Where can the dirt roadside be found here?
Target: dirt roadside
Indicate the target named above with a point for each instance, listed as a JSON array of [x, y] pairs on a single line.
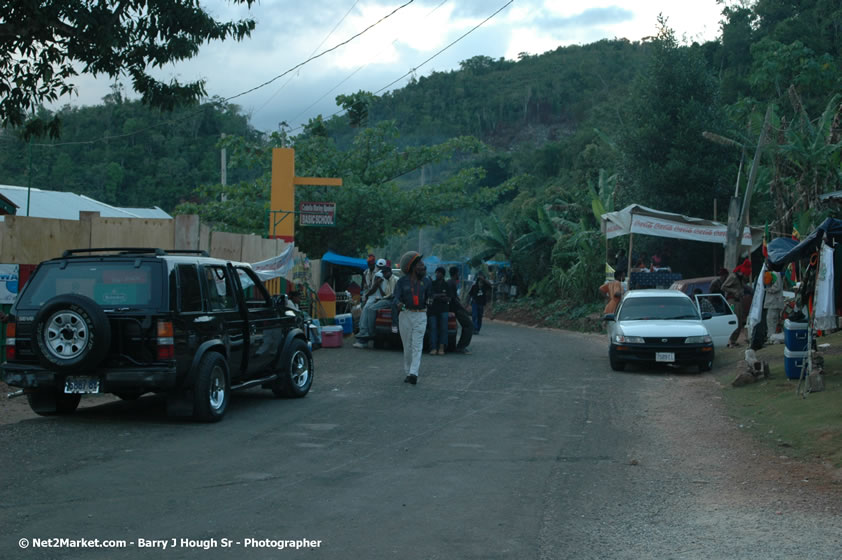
[[747, 471]]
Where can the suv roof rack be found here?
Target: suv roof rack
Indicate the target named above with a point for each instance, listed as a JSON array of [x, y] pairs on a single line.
[[134, 250]]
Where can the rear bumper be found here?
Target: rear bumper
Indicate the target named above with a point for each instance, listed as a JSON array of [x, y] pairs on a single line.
[[28, 376], [684, 354]]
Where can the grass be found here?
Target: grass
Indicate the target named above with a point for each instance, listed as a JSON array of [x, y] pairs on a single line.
[[776, 415]]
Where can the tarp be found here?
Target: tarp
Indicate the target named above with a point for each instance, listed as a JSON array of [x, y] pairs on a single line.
[[640, 219], [778, 259], [341, 260], [276, 267]]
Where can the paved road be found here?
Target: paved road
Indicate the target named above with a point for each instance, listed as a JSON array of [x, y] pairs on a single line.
[[529, 448]]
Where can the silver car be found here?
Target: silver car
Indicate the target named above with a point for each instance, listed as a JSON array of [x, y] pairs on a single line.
[[659, 326]]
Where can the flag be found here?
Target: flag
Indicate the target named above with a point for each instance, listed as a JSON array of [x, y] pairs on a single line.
[[795, 234], [765, 236]]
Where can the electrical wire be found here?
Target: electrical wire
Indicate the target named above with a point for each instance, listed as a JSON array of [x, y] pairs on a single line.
[[480, 24], [264, 84], [483, 22], [335, 27], [351, 75]]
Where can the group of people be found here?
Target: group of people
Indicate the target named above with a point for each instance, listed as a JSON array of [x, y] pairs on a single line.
[[419, 303], [734, 285]]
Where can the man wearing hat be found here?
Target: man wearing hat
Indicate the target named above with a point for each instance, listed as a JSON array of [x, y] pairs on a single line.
[[773, 301], [409, 311], [378, 296], [734, 287], [716, 285], [368, 277]]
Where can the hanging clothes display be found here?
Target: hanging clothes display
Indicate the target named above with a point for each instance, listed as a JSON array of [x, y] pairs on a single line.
[[824, 308], [755, 313]]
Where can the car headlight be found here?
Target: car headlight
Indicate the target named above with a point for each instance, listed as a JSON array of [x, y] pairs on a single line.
[[706, 339], [622, 339]]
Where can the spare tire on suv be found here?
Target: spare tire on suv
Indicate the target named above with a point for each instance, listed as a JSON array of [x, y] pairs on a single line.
[[71, 332]]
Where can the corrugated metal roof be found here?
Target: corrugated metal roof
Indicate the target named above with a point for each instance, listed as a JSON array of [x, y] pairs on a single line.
[[66, 205]]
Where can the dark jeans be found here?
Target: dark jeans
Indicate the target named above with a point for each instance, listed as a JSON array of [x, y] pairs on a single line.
[[438, 330], [477, 310], [467, 324]]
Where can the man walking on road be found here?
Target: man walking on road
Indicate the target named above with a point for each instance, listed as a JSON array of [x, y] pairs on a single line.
[[409, 311], [463, 316]]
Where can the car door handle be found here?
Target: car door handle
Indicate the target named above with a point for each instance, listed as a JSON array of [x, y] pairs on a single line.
[[732, 322]]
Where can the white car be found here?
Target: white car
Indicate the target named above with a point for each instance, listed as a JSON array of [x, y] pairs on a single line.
[[660, 326]]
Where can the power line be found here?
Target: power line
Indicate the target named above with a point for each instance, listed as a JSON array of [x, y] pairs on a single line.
[[480, 24], [483, 22], [349, 76], [264, 84], [321, 54], [335, 27]]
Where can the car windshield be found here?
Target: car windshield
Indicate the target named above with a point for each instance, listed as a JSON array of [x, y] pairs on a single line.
[[110, 284], [657, 308]]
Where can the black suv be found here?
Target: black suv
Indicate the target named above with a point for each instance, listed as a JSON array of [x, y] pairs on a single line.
[[129, 321]]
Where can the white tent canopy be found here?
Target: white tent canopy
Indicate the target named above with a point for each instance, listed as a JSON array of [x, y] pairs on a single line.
[[640, 219]]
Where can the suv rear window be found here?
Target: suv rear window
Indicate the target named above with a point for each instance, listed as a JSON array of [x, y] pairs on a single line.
[[110, 284]]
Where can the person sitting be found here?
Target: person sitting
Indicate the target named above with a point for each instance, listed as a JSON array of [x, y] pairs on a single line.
[[378, 296], [613, 290]]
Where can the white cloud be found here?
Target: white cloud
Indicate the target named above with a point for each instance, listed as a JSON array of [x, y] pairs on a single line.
[[288, 31]]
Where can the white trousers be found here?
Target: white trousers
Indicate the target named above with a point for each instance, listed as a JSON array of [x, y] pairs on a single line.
[[412, 325]]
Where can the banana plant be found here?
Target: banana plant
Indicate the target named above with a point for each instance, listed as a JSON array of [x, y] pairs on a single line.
[[603, 195]]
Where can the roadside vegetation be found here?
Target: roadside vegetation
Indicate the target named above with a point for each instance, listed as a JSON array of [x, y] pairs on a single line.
[[507, 159], [806, 428]]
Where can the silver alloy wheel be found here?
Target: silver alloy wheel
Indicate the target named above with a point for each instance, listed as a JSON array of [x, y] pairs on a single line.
[[66, 334], [216, 392], [299, 369]]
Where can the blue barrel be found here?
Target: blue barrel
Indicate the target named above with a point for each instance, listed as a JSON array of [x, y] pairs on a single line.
[[795, 336]]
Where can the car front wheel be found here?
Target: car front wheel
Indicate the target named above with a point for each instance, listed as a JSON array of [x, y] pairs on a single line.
[[616, 365]]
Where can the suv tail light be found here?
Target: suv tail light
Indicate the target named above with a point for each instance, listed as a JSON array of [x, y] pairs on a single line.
[[11, 351], [166, 345]]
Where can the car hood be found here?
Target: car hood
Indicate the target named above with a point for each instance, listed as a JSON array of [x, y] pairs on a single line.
[[662, 328]]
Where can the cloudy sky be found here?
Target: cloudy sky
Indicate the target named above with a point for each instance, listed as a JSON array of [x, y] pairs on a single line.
[[291, 31]]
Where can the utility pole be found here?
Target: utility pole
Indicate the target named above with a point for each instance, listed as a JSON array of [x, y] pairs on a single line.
[[736, 217], [224, 171]]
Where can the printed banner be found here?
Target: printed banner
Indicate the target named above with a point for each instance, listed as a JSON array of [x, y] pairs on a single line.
[[8, 283], [665, 228]]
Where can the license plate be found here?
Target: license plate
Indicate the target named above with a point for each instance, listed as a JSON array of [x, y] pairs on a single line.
[[81, 385], [664, 356]]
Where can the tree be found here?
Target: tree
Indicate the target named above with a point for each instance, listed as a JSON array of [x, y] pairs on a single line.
[[667, 161], [42, 43], [379, 197]]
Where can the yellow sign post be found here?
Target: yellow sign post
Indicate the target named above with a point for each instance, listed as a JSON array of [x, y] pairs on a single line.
[[282, 201]]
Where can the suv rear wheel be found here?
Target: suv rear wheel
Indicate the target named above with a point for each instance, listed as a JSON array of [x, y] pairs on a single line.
[[296, 375], [71, 332], [211, 391]]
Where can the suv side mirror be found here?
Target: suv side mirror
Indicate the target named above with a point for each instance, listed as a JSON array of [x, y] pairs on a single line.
[[280, 302]]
